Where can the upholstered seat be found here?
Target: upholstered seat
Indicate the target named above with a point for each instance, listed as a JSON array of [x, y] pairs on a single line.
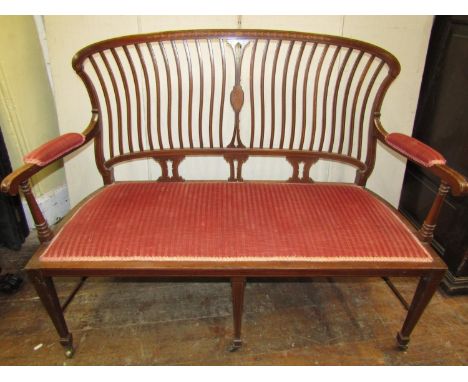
[[234, 222]]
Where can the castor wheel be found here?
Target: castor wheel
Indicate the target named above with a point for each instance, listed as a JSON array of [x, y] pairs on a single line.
[[402, 347], [236, 345], [402, 342], [67, 343], [69, 352]]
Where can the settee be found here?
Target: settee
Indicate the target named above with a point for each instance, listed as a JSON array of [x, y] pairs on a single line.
[[235, 94]]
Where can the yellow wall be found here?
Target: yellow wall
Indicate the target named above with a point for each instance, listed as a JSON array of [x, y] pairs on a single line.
[[27, 110], [405, 36]]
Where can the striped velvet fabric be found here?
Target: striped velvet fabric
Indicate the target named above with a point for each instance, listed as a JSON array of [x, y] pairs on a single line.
[[414, 149], [54, 149], [234, 222]]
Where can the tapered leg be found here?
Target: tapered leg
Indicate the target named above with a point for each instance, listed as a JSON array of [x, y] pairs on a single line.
[[46, 290], [426, 288], [237, 287]]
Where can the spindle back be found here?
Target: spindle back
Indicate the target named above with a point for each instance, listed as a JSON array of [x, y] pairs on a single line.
[[236, 93]]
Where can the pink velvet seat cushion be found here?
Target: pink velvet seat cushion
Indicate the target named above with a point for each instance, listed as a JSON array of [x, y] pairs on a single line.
[[54, 149], [234, 222], [415, 150]]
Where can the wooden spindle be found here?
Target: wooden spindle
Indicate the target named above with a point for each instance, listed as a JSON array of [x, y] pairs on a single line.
[[158, 94], [335, 98], [316, 87], [304, 95], [179, 93], [190, 101], [262, 93], [108, 105], [223, 92], [127, 98], [200, 110], [252, 100], [325, 97], [44, 233], [115, 88], [426, 232], [293, 109], [364, 106], [355, 100], [137, 96], [169, 94], [213, 83], [345, 101], [283, 93], [148, 96], [273, 77]]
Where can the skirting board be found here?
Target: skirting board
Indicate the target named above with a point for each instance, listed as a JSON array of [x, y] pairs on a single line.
[[454, 285], [54, 205]]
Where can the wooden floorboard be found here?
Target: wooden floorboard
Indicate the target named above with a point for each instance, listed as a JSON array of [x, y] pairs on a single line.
[[321, 321]]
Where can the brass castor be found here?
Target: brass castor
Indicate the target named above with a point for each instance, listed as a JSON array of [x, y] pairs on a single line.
[[402, 342], [69, 352], [236, 345], [67, 343]]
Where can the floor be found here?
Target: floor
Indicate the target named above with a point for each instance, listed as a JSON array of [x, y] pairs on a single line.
[[339, 321]]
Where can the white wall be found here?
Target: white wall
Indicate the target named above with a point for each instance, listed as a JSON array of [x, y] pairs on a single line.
[[406, 37]]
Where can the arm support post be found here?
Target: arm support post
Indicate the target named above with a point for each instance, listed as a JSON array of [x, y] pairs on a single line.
[[44, 233], [426, 233]]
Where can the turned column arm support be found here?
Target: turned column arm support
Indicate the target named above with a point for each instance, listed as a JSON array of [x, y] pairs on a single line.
[[426, 232], [44, 233]]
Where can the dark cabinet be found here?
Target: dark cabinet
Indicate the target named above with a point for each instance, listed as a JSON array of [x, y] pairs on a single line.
[[442, 122], [13, 226]]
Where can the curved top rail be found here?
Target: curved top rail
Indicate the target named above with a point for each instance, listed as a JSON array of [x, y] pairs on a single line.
[[390, 59]]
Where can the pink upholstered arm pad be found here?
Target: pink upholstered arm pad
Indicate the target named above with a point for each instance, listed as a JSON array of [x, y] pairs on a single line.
[[54, 149], [415, 150]]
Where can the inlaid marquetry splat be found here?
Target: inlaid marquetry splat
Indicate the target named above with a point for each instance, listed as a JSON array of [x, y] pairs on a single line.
[[237, 98], [170, 173], [301, 174], [237, 94]]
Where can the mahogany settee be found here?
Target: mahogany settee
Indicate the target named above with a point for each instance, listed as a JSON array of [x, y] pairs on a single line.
[[235, 94]]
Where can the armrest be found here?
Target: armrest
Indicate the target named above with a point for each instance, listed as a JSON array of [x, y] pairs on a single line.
[[56, 148], [48, 153], [415, 150], [423, 155]]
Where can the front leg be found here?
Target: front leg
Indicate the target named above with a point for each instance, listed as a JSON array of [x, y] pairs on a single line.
[[426, 288], [46, 290], [237, 287]]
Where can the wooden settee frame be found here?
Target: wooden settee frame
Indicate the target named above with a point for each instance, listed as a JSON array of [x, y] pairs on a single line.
[[235, 152]]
